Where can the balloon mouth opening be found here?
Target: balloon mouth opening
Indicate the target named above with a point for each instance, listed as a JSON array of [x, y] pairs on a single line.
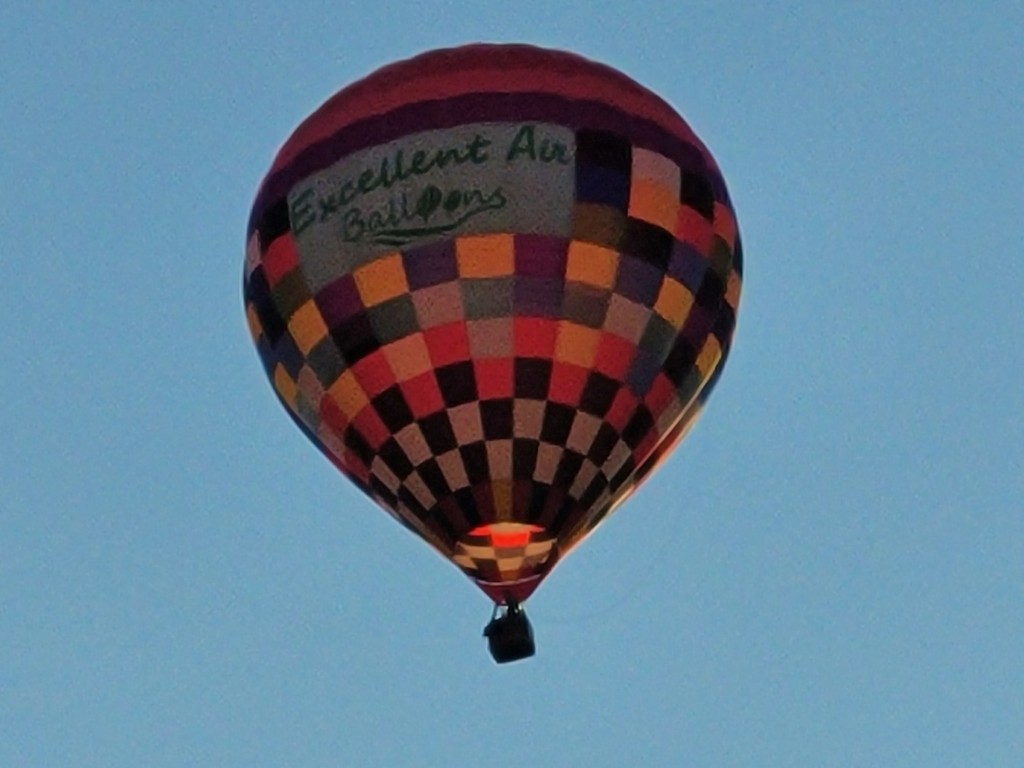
[[507, 534], [508, 592], [507, 560]]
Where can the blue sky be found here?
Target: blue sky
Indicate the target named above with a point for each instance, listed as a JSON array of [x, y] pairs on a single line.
[[829, 572]]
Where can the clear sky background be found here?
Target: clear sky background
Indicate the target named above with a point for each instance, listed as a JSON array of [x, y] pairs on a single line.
[[829, 572]]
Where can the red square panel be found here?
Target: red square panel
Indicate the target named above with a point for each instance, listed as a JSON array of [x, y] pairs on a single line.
[[614, 356], [280, 259], [567, 382], [351, 465], [423, 395], [332, 417], [646, 447], [370, 426], [374, 374], [447, 343], [534, 337], [623, 407], [494, 377], [660, 396], [693, 228]]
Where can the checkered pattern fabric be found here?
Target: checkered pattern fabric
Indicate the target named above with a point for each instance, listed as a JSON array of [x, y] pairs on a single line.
[[500, 393]]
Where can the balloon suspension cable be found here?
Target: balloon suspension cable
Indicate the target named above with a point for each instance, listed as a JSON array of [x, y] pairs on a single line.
[[509, 634]]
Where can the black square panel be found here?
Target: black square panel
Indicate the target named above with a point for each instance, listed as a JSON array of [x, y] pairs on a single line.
[[355, 338], [557, 423], [434, 478], [392, 454], [532, 377], [603, 149], [392, 408], [496, 417], [604, 443], [474, 459], [638, 427], [696, 192], [598, 394], [437, 431], [356, 443], [568, 468], [648, 242], [457, 383], [273, 223]]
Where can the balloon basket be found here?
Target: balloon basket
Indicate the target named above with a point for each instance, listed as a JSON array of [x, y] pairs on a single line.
[[509, 634]]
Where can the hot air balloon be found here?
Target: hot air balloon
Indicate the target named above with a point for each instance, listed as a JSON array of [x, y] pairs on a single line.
[[494, 285]]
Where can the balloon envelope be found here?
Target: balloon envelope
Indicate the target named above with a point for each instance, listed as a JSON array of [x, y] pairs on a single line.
[[494, 286]]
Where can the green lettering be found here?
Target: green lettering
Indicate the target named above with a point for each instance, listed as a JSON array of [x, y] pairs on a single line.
[[375, 220], [300, 212], [430, 199], [348, 192], [398, 171], [352, 226], [419, 163], [522, 144], [452, 201], [328, 206], [477, 147], [445, 157], [554, 152], [367, 182], [397, 167]]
